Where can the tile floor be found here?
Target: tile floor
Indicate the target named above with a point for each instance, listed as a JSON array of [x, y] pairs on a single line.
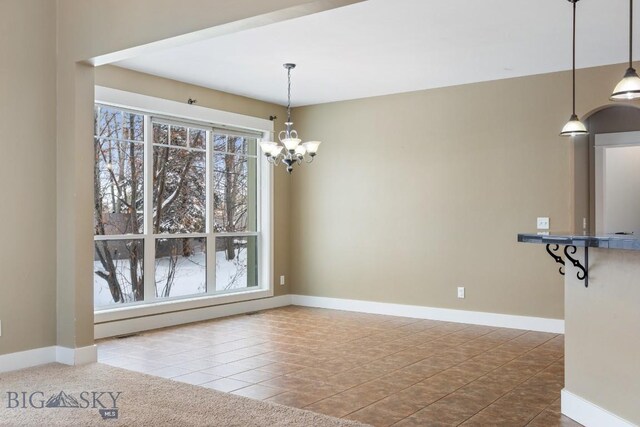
[[381, 370]]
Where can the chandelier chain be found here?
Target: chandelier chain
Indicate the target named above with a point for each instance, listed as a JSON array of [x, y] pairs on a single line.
[[289, 95]]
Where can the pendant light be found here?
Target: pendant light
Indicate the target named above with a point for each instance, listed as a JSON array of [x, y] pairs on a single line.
[[574, 126], [290, 150], [629, 86]]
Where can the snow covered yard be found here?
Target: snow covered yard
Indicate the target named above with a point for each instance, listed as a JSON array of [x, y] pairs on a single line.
[[189, 277]]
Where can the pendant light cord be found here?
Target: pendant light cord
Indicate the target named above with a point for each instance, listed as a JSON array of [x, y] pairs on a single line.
[[574, 56], [630, 33]]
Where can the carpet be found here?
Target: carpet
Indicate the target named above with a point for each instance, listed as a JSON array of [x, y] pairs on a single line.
[[101, 395]]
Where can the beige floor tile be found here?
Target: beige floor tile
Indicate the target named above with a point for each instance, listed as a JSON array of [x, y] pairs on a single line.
[[381, 370], [258, 392], [254, 376], [196, 378], [226, 384]]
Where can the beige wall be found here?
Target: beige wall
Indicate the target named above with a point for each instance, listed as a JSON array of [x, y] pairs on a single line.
[[415, 194], [28, 141], [132, 81]]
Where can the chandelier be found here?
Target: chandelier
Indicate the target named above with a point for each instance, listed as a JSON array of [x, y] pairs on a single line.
[[291, 149]]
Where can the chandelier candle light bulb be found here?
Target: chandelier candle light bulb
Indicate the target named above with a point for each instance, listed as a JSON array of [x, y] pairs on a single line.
[[291, 149]]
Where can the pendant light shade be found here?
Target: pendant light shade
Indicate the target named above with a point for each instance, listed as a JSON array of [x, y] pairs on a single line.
[[629, 86], [574, 126]]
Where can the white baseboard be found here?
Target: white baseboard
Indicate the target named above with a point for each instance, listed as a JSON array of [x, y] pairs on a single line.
[[539, 324], [44, 355], [77, 356], [589, 414], [146, 323], [27, 359]]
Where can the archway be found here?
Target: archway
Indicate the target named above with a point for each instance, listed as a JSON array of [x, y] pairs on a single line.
[[609, 118]]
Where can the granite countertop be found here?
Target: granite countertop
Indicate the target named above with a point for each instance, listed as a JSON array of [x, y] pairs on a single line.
[[630, 241]]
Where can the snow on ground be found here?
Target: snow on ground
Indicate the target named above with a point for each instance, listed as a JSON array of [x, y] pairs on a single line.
[[190, 276]]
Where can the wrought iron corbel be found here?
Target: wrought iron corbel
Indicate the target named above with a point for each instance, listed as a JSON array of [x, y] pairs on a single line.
[[556, 257], [583, 272]]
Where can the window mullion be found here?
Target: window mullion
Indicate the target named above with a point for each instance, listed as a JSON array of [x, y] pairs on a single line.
[[149, 240]]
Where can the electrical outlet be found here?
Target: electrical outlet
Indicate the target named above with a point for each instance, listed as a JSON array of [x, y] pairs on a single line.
[[281, 280], [461, 292], [543, 223]]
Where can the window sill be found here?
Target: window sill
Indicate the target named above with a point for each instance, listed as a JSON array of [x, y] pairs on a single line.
[[151, 309]]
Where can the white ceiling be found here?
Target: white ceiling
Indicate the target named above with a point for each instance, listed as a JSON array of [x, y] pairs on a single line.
[[379, 47]]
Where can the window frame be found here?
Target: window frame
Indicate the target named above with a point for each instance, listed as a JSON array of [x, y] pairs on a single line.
[[214, 121]]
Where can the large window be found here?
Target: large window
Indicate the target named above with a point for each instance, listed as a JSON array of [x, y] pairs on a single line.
[[176, 209]]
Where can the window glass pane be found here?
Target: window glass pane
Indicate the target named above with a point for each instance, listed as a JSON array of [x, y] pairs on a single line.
[[181, 267], [179, 136], [236, 263], [133, 126], [179, 190], [197, 138], [242, 145], [235, 193], [118, 272], [118, 187], [160, 133], [235, 144], [219, 142], [109, 122], [96, 115]]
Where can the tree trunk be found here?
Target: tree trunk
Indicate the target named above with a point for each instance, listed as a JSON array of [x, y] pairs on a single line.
[[229, 202], [106, 260], [137, 281]]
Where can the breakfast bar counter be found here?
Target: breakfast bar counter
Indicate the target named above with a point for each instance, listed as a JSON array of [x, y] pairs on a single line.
[[602, 324]]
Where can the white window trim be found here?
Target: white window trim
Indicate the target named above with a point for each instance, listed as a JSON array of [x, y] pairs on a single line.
[[165, 107], [221, 120]]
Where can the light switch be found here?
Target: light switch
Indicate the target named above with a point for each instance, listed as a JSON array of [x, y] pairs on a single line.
[[543, 223]]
